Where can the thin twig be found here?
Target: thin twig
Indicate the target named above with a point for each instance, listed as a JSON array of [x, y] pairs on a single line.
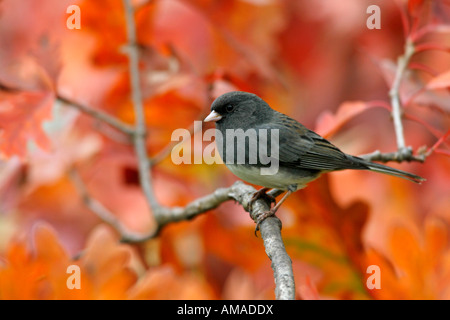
[[99, 115], [96, 114], [394, 93], [140, 126], [394, 156], [98, 208]]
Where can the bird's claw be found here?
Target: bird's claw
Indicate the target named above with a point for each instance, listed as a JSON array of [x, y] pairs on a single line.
[[260, 194], [263, 216]]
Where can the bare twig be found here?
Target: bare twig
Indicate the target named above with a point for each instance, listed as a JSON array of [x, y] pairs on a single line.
[[403, 152], [99, 115], [394, 156], [140, 127], [98, 208], [96, 114]]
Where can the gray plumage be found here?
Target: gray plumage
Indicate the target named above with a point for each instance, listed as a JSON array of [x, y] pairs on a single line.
[[302, 154]]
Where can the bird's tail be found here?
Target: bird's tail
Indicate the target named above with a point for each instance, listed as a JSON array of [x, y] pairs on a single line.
[[393, 172]]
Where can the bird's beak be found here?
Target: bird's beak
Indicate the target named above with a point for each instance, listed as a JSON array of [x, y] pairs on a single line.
[[213, 116]]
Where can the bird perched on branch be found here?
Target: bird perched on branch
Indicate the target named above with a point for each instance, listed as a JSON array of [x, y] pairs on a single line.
[[254, 137]]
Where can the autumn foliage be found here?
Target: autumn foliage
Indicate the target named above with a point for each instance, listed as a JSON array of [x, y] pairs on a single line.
[[315, 60]]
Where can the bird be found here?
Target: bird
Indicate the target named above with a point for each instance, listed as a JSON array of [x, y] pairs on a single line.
[[301, 154]]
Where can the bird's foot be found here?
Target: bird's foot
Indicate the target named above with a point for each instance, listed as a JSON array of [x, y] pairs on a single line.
[[260, 194], [263, 216], [272, 211]]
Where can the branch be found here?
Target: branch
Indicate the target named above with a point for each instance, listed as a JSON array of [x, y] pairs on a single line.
[[270, 228], [281, 262]]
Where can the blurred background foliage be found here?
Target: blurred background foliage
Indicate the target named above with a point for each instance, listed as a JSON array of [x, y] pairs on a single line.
[[314, 60]]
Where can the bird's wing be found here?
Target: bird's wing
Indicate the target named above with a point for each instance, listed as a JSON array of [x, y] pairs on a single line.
[[300, 147]]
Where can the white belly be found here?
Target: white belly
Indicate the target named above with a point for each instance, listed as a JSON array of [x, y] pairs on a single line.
[[281, 180]]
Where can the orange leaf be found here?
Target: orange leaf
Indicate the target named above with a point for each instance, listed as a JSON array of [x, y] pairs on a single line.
[[328, 123], [37, 274], [414, 6], [41, 272], [307, 290], [105, 266], [391, 287], [109, 33], [436, 240], [163, 283], [405, 250], [420, 261], [441, 81], [21, 118]]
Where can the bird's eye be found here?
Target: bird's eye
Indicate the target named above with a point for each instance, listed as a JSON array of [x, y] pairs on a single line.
[[229, 107]]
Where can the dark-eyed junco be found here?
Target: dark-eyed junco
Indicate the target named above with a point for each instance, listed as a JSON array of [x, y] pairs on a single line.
[[254, 137]]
